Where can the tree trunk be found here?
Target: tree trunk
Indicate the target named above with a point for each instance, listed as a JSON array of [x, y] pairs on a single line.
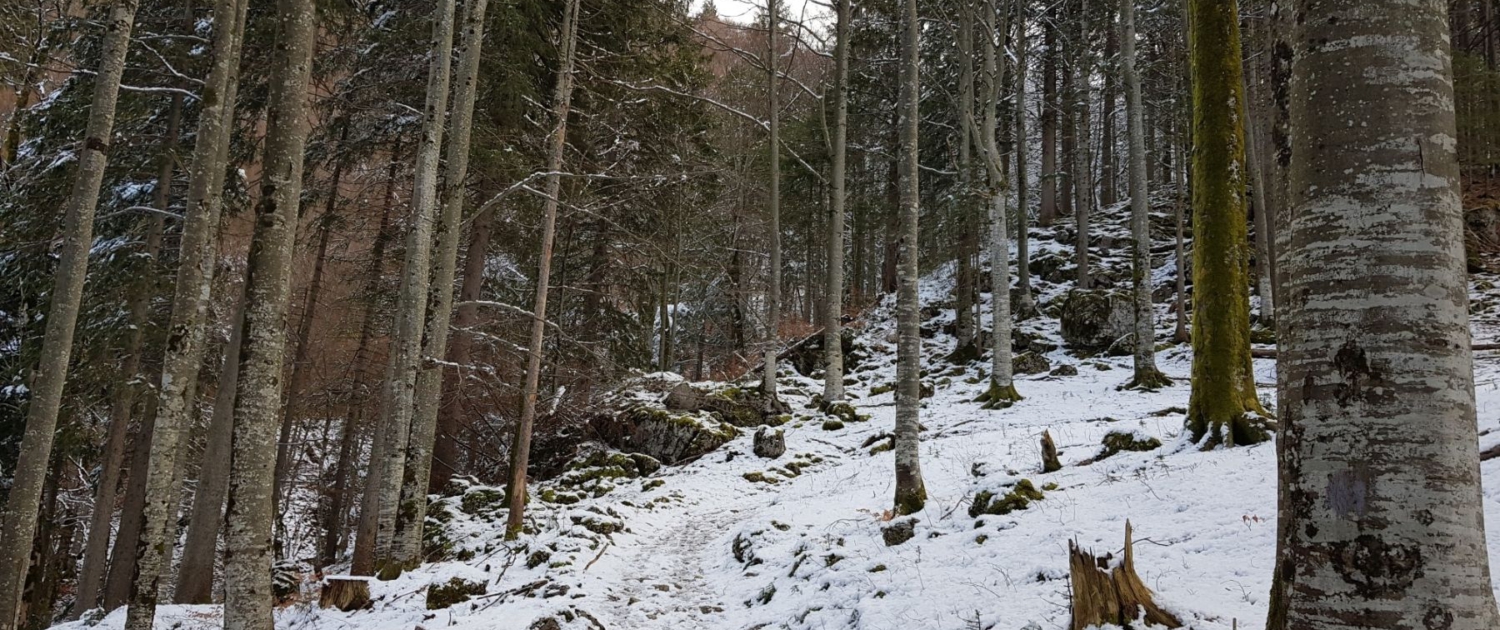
[[445, 449], [1223, 399], [123, 553], [911, 493], [1147, 376], [833, 311], [1082, 176], [1025, 301], [399, 397], [562, 101], [429, 394], [67, 293], [964, 196], [1108, 191], [1048, 212], [1179, 207], [1376, 373], [247, 573], [773, 210], [1002, 392], [122, 403]]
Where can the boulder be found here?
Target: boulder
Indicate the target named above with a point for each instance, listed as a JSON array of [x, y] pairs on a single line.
[[666, 436], [1050, 267], [899, 531], [1030, 363], [769, 443], [741, 407], [1092, 321]]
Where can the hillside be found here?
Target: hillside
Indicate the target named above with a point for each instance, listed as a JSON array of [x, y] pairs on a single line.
[[732, 540]]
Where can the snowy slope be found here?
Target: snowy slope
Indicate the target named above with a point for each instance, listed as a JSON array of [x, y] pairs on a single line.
[[707, 548]]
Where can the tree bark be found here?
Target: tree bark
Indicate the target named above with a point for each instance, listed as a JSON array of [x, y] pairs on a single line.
[[57, 343], [911, 493], [399, 396], [773, 209], [247, 573], [1002, 392], [1223, 399], [562, 101], [833, 311], [1048, 211], [1380, 466], [445, 449], [1025, 300], [1147, 376], [1082, 175], [429, 394]]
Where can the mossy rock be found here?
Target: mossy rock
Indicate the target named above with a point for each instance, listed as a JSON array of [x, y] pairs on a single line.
[[538, 558], [843, 411], [964, 355], [1066, 369], [673, 437], [1120, 441], [1262, 335], [882, 389], [1018, 498], [454, 591], [832, 424], [480, 501], [1092, 321], [1030, 363]]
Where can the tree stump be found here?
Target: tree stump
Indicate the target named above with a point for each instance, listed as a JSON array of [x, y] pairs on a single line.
[[1050, 462], [1104, 593], [345, 592]]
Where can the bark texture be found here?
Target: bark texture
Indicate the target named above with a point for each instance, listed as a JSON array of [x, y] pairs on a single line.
[[399, 395], [413, 513], [833, 311], [247, 571], [773, 210], [51, 373], [1002, 392], [1147, 376], [1223, 405], [911, 494], [1382, 516]]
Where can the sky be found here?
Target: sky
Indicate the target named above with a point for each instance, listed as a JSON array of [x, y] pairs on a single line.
[[746, 10]]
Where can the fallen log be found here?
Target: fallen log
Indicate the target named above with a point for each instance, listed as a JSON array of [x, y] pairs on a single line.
[[345, 592]]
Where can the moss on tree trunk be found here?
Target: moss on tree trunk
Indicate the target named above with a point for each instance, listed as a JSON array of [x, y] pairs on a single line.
[[1223, 406]]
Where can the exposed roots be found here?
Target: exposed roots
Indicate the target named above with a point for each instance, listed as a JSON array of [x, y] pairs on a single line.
[[1243, 430], [997, 397], [1147, 380]]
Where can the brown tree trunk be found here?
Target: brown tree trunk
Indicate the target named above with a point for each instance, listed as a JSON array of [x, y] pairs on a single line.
[[911, 493]]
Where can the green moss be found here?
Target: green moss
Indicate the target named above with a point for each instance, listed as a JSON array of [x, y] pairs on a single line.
[[652, 484], [538, 558], [454, 591], [1121, 441], [910, 500], [882, 389], [832, 425], [997, 397], [979, 540], [1018, 498], [877, 568], [478, 501], [760, 477]]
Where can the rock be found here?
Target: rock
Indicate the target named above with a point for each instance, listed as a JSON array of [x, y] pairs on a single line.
[[454, 591], [899, 531], [741, 407], [1030, 363], [1122, 347], [1117, 441], [1092, 321], [1066, 369], [770, 443], [670, 437], [1049, 267], [1019, 497]]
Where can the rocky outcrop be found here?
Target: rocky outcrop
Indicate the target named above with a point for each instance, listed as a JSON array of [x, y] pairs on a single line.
[[770, 443], [1093, 321], [741, 407]]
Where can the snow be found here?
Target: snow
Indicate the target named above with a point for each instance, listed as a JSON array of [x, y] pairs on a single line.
[[707, 548]]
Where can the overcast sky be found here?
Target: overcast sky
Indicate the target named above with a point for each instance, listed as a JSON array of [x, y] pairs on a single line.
[[746, 10]]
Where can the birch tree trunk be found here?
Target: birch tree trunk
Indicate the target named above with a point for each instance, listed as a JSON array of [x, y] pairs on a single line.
[[833, 312], [1147, 376], [399, 396], [1223, 405], [1380, 470], [562, 100], [911, 493], [1002, 392], [247, 573], [408, 551], [67, 293], [773, 209]]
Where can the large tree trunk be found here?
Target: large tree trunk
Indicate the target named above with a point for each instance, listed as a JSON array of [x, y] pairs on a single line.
[[123, 553], [833, 310], [413, 512], [67, 293], [773, 210], [188, 326], [1002, 391], [911, 493], [123, 400], [962, 221], [1223, 401], [247, 573], [1108, 191], [562, 101], [399, 394], [1082, 176], [1380, 462], [1147, 376]]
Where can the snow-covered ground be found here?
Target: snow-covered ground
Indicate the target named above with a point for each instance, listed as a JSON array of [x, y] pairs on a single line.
[[707, 548]]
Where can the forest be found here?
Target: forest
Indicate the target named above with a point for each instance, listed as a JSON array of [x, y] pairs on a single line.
[[749, 314]]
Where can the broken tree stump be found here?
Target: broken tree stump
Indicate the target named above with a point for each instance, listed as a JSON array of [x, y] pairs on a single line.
[[345, 592], [1050, 462], [1108, 594]]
